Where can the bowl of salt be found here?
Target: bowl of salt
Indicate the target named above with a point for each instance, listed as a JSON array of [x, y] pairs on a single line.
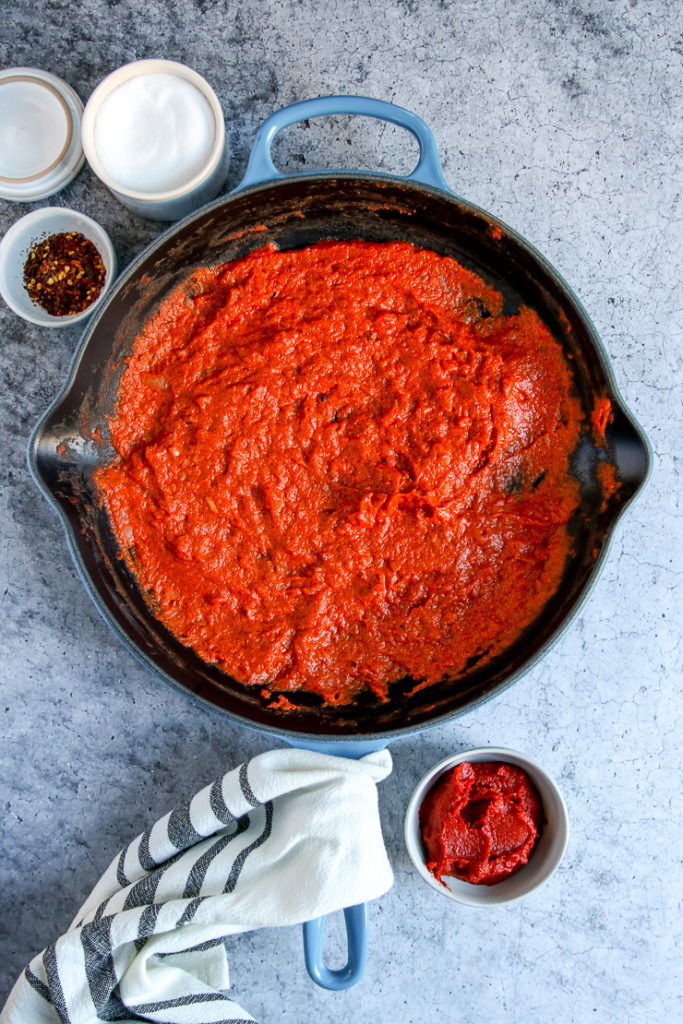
[[153, 132]]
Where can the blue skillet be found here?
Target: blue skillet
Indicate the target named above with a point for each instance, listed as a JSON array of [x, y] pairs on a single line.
[[292, 212]]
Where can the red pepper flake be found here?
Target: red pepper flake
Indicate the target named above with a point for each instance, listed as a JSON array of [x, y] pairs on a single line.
[[64, 273]]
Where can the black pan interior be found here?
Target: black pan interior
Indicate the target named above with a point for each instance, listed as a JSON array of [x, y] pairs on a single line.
[[72, 439]]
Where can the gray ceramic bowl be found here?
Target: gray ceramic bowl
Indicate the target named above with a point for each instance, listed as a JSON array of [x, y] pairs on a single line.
[[545, 857]]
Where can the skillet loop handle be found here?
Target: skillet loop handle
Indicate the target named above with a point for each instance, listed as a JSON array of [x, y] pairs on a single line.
[[356, 919], [261, 167]]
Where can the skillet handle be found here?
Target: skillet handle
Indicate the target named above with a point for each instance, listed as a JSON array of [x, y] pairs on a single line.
[[357, 917], [261, 167], [356, 920]]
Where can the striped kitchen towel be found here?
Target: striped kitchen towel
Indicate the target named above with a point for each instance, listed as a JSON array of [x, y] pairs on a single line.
[[285, 838]]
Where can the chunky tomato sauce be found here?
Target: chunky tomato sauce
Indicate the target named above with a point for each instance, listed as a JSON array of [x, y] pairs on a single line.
[[343, 465], [480, 822]]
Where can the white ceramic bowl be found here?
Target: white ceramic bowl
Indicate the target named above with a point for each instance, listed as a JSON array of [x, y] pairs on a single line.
[[18, 242], [178, 202], [545, 856], [40, 134]]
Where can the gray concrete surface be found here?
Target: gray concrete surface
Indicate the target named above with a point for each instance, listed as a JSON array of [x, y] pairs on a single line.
[[563, 119]]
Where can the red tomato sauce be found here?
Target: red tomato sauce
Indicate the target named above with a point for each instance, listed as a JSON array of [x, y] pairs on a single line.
[[480, 822], [343, 465]]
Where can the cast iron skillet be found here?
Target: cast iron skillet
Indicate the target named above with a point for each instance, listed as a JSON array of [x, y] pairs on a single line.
[[71, 439]]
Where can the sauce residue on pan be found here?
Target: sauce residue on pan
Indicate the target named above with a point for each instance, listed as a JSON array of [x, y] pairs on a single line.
[[343, 465]]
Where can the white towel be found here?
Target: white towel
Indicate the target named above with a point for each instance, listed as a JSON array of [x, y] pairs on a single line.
[[285, 838]]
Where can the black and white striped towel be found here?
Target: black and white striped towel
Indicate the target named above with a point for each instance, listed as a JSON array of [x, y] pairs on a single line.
[[286, 837]]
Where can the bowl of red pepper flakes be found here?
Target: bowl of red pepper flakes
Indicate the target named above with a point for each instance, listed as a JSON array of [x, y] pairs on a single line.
[[56, 266]]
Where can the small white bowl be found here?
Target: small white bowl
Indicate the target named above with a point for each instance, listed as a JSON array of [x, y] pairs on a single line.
[[174, 203], [18, 242], [545, 857], [40, 134]]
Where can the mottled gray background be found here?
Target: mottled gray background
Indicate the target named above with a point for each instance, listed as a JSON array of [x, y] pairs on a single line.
[[563, 119]]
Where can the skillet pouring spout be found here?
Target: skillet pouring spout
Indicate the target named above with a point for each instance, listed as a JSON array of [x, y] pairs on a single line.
[[632, 456]]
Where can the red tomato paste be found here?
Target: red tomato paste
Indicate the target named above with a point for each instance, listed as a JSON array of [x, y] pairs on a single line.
[[343, 465], [480, 822]]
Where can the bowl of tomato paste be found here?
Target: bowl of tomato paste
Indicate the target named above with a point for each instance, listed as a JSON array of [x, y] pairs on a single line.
[[486, 826]]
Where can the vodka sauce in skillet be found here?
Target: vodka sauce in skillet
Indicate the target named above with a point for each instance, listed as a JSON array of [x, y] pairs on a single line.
[[343, 465]]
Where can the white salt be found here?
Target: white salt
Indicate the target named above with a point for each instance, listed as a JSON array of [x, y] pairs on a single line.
[[154, 133]]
